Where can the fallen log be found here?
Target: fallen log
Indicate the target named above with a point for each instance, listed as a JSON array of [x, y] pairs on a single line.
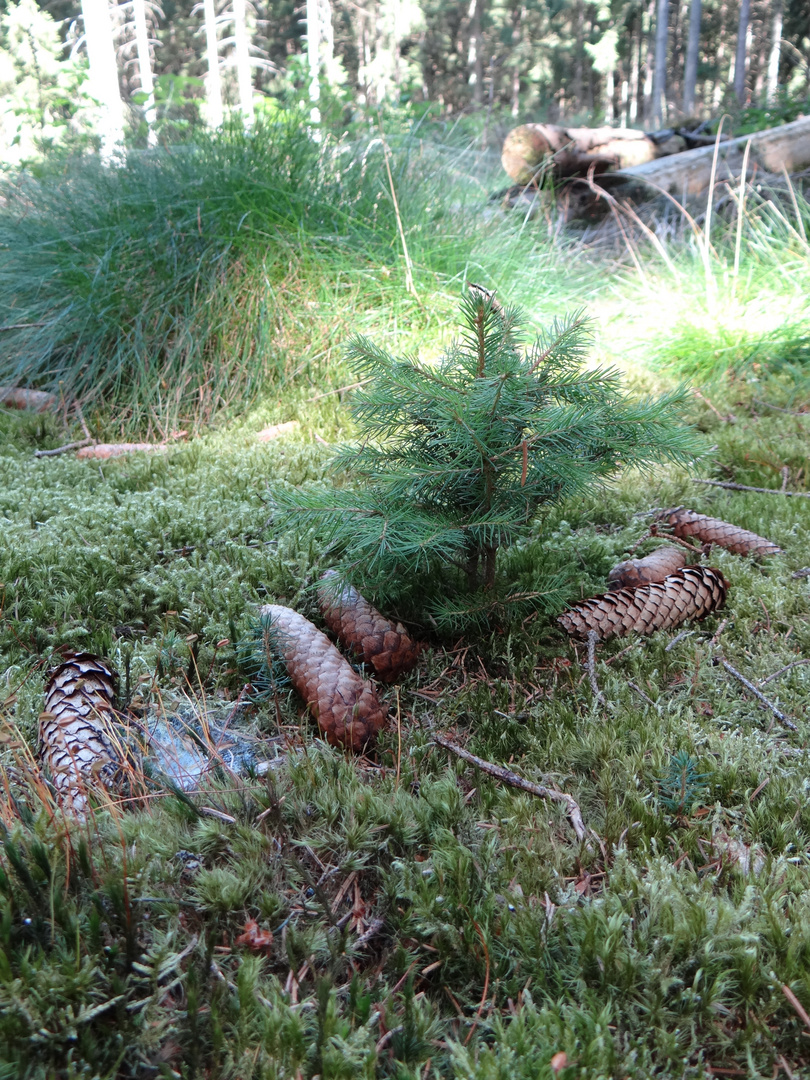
[[530, 149], [688, 175]]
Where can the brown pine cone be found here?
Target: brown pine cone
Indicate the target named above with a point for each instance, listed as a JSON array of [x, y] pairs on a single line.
[[655, 567], [77, 736], [347, 709], [381, 644], [711, 530], [690, 593]]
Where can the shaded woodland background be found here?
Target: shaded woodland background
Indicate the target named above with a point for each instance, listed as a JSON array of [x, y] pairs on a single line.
[[500, 62]]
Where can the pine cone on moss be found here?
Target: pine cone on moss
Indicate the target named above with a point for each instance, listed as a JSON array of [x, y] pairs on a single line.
[[709, 530], [347, 709], [77, 731], [382, 645], [691, 593], [654, 567]]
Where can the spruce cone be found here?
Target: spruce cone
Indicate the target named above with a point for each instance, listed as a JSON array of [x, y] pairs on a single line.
[[346, 708], [690, 593], [713, 531], [655, 567], [381, 644], [77, 730]]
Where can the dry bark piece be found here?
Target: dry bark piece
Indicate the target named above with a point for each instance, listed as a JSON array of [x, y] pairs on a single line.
[[384, 646], [19, 397], [347, 709], [711, 530], [111, 450], [77, 735], [690, 593], [654, 567]]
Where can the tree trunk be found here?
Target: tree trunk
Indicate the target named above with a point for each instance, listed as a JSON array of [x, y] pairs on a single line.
[[145, 68], [648, 66], [475, 61], [314, 58], [243, 71], [104, 77], [742, 41], [610, 90], [688, 175], [635, 63], [660, 73], [213, 85], [692, 51], [576, 88], [776, 47]]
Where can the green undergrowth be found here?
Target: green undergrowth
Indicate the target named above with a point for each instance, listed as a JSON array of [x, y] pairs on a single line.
[[427, 920], [171, 290]]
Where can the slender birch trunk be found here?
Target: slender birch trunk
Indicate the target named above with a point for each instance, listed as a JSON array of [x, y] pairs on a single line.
[[692, 52], [244, 74], [660, 71], [742, 41], [776, 48], [145, 69], [214, 82], [104, 77], [314, 58], [475, 61]]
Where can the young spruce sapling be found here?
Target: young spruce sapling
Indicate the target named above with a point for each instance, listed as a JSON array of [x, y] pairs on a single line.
[[456, 460]]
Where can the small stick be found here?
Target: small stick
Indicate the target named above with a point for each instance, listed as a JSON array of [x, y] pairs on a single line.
[[730, 419], [640, 692], [64, 449], [508, 777], [678, 637], [801, 1012], [777, 408], [593, 637], [782, 670], [718, 632], [780, 716], [745, 487]]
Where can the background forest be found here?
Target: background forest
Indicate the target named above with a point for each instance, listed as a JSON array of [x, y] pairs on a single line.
[[624, 62]]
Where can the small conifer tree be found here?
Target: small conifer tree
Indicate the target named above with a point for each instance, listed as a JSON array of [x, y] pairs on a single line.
[[456, 460]]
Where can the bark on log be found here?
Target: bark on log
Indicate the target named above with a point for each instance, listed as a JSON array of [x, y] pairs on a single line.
[[573, 151], [688, 175]]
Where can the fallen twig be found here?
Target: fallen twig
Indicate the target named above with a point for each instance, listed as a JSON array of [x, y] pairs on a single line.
[[64, 449], [800, 1010], [780, 716], [640, 692], [782, 670], [677, 639], [508, 777], [778, 408], [730, 419], [746, 487], [593, 637]]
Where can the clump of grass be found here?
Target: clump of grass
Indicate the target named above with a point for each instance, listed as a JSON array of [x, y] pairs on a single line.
[[184, 281]]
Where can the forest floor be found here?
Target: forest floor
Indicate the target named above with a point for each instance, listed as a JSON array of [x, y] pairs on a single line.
[[402, 914]]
